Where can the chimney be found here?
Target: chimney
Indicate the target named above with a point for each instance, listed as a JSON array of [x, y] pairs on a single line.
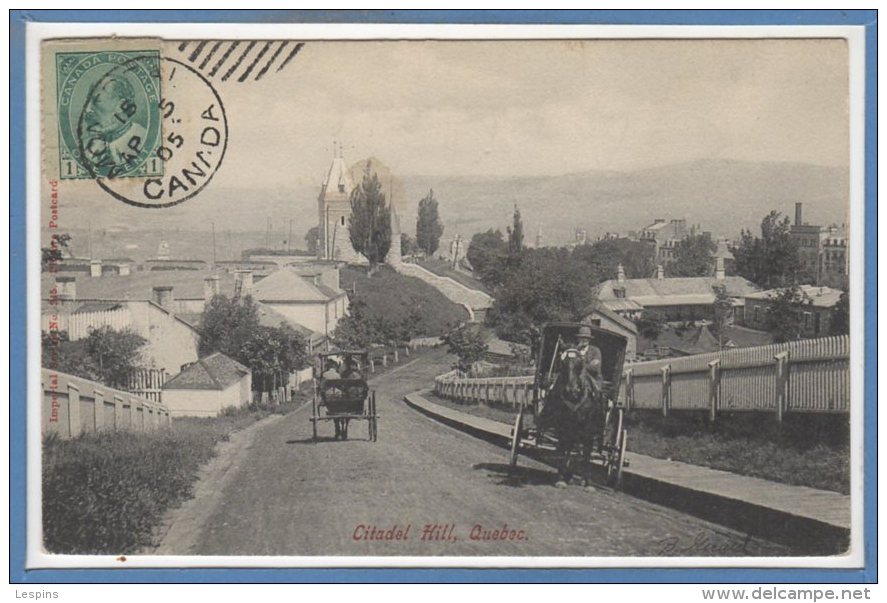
[[210, 288], [66, 287], [243, 282], [162, 296], [660, 272], [123, 270], [620, 274], [719, 268], [798, 214], [95, 268]]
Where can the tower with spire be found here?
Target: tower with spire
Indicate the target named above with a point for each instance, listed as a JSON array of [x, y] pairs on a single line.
[[334, 209]]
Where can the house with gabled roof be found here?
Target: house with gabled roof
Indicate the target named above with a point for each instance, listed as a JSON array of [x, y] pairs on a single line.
[[599, 315], [676, 298], [207, 387]]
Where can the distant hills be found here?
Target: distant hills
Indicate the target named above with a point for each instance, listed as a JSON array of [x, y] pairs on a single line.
[[723, 196]]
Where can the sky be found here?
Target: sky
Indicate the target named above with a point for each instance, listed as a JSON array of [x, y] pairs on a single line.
[[548, 107], [525, 108]]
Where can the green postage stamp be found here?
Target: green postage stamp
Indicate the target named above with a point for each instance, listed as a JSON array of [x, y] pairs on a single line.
[[108, 113]]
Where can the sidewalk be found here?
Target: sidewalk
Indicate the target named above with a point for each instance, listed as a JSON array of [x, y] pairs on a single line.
[[806, 518]]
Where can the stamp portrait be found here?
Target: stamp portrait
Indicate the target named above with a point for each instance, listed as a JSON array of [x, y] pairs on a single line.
[[108, 114]]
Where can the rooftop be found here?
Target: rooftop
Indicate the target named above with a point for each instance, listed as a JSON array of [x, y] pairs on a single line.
[[668, 291], [215, 371], [280, 285], [820, 297], [605, 310]]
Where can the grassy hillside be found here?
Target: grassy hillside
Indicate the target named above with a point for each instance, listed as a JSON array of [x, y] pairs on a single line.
[[393, 296], [443, 268]]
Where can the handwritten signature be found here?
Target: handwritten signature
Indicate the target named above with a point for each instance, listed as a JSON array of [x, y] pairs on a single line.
[[702, 544]]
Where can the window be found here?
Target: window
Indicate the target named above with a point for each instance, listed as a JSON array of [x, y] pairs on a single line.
[[757, 314], [807, 317], [619, 292], [343, 220]]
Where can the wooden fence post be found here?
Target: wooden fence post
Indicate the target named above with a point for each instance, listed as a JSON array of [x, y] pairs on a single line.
[[406, 351], [98, 410], [384, 359], [73, 410], [666, 389], [396, 359], [118, 413], [782, 372], [372, 365], [714, 388]]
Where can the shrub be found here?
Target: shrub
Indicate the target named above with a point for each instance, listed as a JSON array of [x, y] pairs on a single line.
[[105, 493]]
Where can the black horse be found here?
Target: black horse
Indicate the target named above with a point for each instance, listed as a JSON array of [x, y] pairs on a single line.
[[575, 411]]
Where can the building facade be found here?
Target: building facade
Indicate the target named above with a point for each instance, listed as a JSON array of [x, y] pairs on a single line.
[[822, 251], [814, 309]]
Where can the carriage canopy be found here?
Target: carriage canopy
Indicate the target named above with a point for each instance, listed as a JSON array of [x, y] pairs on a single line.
[[558, 336]]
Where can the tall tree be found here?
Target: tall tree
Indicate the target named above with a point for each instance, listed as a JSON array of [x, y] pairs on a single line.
[[770, 260], [231, 326], [722, 316], [116, 353], [227, 325], [692, 256], [840, 324], [408, 245], [370, 223], [428, 226], [516, 234], [650, 324], [467, 343], [272, 353], [783, 319], [603, 258], [546, 285], [486, 254], [312, 238]]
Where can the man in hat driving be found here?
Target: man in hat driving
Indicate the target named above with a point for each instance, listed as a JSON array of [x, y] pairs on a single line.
[[591, 355]]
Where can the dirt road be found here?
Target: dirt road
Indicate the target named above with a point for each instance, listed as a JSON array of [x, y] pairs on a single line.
[[292, 497]]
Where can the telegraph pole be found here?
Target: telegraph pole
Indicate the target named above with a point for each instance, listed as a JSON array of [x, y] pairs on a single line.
[[213, 224]]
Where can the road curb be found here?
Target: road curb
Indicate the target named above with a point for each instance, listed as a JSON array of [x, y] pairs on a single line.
[[806, 535]]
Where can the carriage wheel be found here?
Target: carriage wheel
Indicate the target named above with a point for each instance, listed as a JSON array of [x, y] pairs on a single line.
[[515, 438], [314, 420], [614, 452], [371, 416], [616, 461], [375, 419], [624, 439]]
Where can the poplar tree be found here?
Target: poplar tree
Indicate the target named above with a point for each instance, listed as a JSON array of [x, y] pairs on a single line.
[[370, 223]]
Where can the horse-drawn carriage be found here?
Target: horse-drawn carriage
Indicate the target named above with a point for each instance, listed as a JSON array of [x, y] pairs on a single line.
[[574, 411], [341, 393]]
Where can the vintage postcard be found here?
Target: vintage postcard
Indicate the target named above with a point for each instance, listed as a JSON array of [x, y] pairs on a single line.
[[530, 297]]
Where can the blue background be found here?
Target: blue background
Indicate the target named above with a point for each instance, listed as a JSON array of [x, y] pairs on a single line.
[[17, 393]]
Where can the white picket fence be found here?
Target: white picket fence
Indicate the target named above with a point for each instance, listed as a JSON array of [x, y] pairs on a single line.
[[807, 376]]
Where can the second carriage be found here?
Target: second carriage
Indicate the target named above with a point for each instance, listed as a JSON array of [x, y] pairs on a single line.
[[342, 395], [606, 441]]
